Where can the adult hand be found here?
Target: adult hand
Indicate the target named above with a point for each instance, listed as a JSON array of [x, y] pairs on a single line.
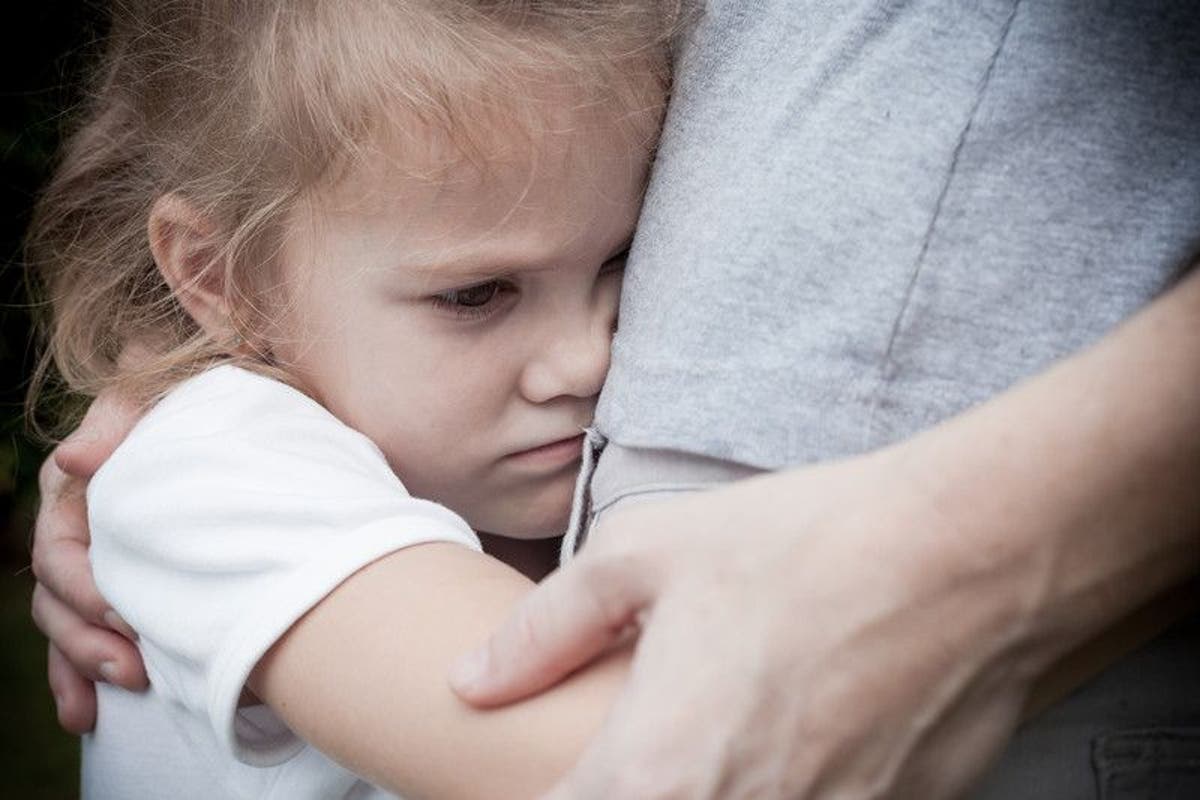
[[872, 627], [851, 646], [88, 640]]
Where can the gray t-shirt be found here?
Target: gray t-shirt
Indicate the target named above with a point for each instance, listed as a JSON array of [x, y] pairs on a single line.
[[867, 217]]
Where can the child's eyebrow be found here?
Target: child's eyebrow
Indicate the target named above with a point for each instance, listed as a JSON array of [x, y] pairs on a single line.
[[479, 266], [465, 271]]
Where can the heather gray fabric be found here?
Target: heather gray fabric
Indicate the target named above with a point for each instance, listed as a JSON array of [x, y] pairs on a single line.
[[868, 216]]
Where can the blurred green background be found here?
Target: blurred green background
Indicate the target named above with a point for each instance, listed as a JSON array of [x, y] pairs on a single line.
[[45, 47]]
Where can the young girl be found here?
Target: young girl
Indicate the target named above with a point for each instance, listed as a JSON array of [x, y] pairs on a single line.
[[349, 255]]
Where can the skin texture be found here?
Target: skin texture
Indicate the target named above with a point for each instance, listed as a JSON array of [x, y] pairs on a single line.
[[392, 718], [879, 627]]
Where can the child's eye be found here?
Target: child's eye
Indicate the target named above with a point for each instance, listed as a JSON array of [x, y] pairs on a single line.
[[475, 301]]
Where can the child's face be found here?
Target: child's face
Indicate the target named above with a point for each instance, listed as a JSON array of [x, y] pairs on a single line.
[[463, 321]]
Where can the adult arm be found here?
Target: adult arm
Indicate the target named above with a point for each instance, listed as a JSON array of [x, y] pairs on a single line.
[[874, 626]]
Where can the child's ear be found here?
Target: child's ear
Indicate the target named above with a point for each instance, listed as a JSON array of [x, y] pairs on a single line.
[[185, 250]]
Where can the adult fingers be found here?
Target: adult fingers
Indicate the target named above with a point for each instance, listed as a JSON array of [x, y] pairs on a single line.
[[60, 550], [678, 729], [593, 777], [94, 653], [625, 760], [105, 425], [573, 616], [585, 781], [74, 695], [63, 570], [60, 544]]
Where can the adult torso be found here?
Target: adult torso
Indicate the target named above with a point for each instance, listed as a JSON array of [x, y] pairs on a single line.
[[867, 217]]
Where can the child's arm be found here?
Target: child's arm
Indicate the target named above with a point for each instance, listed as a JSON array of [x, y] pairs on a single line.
[[250, 537], [362, 677]]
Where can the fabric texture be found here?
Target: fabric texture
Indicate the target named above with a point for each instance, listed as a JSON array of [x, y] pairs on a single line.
[[866, 217], [233, 507]]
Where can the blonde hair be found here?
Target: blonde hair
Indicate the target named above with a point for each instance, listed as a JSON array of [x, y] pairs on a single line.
[[243, 106]]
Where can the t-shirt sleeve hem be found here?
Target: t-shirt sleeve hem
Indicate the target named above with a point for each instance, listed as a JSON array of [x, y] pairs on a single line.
[[299, 592]]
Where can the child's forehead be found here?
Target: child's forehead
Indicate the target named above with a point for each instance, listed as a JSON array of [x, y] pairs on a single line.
[[523, 200], [418, 165]]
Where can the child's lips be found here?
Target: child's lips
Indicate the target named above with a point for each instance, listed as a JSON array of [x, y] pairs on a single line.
[[555, 453]]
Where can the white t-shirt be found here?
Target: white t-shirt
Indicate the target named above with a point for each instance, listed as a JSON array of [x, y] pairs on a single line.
[[233, 507]]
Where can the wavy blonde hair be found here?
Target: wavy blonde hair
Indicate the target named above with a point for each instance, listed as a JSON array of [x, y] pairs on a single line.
[[243, 106]]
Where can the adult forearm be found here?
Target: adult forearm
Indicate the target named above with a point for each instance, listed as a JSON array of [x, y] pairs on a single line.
[[876, 626], [1076, 496]]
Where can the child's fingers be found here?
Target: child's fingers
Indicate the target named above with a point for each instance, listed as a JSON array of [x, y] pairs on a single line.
[[74, 695], [63, 571], [94, 653], [60, 546]]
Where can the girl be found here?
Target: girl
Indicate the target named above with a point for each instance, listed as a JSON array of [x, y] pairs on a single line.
[[348, 255]]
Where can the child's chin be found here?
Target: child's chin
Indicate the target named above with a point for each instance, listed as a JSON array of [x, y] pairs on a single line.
[[537, 528], [534, 521]]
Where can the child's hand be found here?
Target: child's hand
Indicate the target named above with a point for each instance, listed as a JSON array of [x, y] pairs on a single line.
[[88, 640]]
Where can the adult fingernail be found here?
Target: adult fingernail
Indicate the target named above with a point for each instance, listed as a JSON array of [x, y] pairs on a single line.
[[468, 672], [114, 621], [108, 669]]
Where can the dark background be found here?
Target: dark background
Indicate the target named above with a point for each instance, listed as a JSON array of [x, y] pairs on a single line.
[[44, 50]]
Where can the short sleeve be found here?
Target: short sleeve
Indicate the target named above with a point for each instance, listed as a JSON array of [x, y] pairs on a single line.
[[234, 507]]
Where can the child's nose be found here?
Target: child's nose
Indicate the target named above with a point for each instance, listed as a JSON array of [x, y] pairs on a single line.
[[570, 361]]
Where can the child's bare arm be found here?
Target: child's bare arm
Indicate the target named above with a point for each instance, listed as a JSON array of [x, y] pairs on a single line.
[[362, 677]]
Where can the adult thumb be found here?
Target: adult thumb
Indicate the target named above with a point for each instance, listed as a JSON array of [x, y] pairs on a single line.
[[572, 617]]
